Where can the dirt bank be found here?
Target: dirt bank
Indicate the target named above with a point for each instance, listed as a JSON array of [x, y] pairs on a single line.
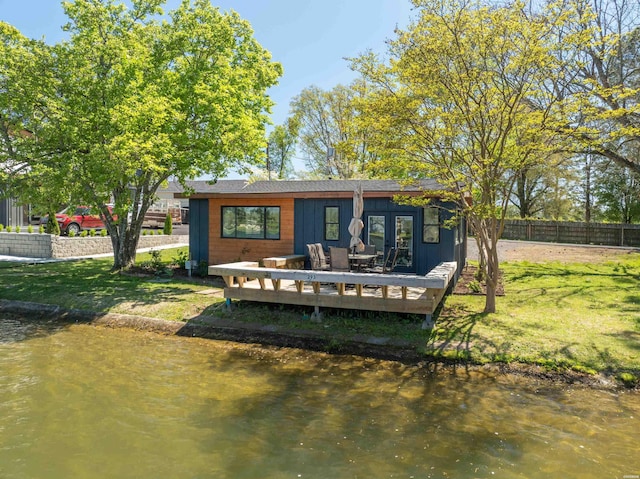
[[263, 338]]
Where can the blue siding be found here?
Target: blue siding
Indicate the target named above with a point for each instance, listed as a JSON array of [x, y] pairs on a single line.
[[199, 230], [309, 228]]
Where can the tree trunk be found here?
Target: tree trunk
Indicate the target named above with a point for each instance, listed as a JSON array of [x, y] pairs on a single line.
[[487, 235], [125, 244], [493, 272]]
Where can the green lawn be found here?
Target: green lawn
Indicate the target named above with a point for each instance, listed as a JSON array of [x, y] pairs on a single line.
[[580, 316]]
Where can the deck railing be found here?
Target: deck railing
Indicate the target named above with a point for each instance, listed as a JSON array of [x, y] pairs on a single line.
[[367, 291]]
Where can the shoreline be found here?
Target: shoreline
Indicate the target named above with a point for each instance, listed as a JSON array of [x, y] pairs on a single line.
[[266, 337]]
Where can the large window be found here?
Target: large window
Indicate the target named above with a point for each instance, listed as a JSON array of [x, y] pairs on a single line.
[[431, 225], [331, 223], [251, 222]]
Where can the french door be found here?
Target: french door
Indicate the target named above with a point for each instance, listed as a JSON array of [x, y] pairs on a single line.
[[389, 230]]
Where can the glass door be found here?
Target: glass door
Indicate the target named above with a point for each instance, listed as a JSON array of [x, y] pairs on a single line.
[[387, 230], [376, 233], [404, 241]]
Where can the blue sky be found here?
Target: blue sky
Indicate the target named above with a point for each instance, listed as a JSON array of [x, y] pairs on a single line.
[[310, 38]]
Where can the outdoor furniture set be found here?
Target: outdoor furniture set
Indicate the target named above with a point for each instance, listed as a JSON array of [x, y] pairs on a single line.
[[341, 259]]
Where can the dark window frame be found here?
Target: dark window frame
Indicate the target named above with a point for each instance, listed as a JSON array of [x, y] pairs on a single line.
[[264, 226], [327, 223], [428, 226]]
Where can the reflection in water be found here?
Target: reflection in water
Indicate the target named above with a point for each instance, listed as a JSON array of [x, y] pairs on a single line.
[[89, 402]]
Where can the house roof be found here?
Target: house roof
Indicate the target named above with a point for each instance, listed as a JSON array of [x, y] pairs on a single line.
[[310, 188]]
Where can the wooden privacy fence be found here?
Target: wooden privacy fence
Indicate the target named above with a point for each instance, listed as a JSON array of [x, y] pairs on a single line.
[[608, 234]]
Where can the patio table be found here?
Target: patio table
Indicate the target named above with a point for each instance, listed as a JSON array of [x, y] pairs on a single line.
[[357, 261]]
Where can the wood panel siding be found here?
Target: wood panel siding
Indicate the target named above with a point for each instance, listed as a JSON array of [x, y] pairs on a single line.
[[227, 250]]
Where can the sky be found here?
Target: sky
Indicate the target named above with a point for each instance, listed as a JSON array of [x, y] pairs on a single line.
[[310, 38]]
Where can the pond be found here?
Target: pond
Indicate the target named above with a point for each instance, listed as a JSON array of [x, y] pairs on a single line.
[[78, 401]]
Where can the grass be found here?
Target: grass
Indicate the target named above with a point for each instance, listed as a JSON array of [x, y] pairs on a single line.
[[581, 316]]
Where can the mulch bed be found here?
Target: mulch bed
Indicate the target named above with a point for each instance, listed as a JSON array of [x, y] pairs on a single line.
[[467, 283]]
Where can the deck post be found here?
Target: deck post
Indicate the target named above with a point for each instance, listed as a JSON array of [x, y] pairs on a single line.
[[428, 322], [317, 315]]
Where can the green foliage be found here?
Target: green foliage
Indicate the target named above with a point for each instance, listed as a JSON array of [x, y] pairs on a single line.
[[455, 103], [17, 228], [9, 229], [30, 229], [136, 99], [1, 227], [203, 269], [181, 257], [92, 232], [168, 224], [53, 228], [475, 286], [103, 232], [628, 379], [72, 234], [281, 147], [156, 264], [333, 139], [41, 229]]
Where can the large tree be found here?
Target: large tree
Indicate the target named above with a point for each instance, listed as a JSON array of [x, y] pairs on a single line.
[[281, 148], [598, 48], [454, 103], [330, 134], [130, 100]]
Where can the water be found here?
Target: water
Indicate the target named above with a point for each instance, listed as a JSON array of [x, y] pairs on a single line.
[[85, 402]]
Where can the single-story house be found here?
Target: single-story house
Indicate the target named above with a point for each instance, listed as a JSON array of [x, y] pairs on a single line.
[[236, 220]]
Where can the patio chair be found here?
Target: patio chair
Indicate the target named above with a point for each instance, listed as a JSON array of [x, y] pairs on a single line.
[[370, 249], [389, 263], [325, 261], [317, 258], [339, 259]]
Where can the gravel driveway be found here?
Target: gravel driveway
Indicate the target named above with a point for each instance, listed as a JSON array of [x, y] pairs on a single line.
[[510, 250]]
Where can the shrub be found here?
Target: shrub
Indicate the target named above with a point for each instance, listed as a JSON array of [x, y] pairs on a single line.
[[144, 233], [475, 286], [92, 232], [29, 229], [41, 229], [18, 229], [52, 227], [155, 264], [72, 234], [203, 269], [9, 229], [83, 234], [1, 227], [168, 224], [180, 259], [103, 232]]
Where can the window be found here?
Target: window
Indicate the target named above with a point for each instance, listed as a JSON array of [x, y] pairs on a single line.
[[331, 223], [251, 222], [431, 225]]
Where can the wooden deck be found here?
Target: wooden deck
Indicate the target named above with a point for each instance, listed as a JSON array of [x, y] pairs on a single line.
[[364, 291]]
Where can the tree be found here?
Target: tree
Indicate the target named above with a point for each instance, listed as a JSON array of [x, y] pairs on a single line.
[[454, 103], [598, 79], [331, 136], [617, 193], [130, 101], [281, 147]]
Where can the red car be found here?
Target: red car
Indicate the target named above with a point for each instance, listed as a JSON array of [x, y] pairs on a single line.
[[78, 219]]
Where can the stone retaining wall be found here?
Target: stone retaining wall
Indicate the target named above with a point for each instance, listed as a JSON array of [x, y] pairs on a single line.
[[34, 245]]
